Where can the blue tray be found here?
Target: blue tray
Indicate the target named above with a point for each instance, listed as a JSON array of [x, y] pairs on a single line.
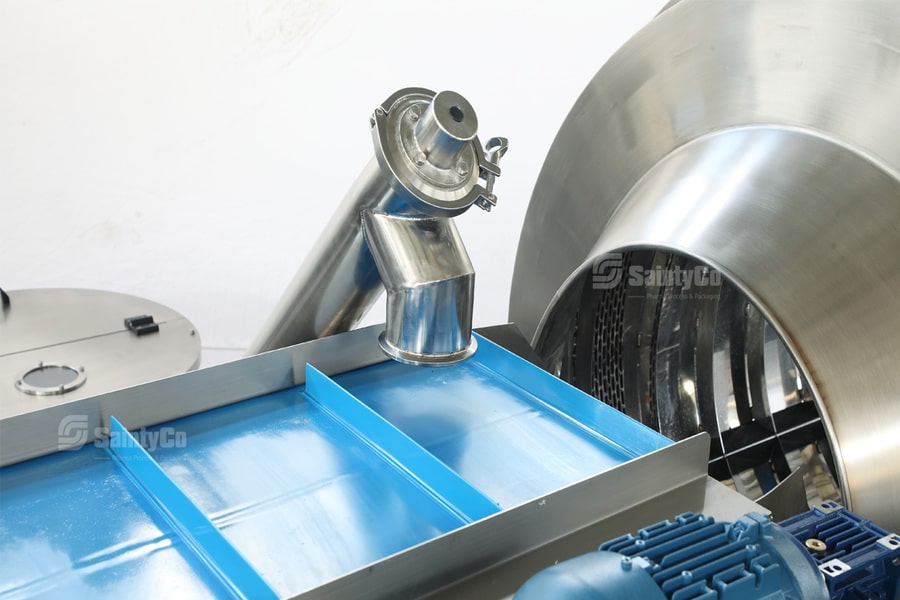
[[279, 494]]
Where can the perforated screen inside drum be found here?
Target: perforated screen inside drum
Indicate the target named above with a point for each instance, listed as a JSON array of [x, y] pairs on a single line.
[[672, 343]]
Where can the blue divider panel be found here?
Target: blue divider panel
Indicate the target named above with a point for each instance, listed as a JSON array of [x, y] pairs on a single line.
[[297, 492], [410, 458], [276, 495], [509, 428], [71, 526], [194, 528]]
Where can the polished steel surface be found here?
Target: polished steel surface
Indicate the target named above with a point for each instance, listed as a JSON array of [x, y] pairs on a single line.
[[430, 285], [85, 329], [444, 128], [337, 282], [433, 161], [757, 145], [673, 344], [428, 162], [46, 379], [33, 431]]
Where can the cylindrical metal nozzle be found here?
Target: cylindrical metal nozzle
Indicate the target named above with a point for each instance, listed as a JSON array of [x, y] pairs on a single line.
[[429, 166], [447, 124]]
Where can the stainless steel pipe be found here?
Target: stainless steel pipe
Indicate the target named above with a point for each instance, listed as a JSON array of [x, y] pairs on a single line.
[[337, 282], [430, 286], [428, 167], [760, 147]]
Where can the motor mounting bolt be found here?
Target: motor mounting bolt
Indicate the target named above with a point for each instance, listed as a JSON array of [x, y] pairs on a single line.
[[816, 546]]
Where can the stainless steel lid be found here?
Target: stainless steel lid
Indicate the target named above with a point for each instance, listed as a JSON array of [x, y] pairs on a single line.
[[59, 345]]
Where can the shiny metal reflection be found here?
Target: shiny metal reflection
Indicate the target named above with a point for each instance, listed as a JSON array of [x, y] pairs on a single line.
[[430, 285], [50, 379], [757, 147], [428, 167], [674, 344]]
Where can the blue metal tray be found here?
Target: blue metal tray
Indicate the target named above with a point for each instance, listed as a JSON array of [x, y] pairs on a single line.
[[279, 494]]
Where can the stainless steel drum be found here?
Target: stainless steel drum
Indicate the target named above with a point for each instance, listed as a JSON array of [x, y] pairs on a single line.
[[714, 241]]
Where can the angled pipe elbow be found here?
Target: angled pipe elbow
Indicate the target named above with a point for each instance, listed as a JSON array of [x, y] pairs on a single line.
[[430, 285], [394, 227]]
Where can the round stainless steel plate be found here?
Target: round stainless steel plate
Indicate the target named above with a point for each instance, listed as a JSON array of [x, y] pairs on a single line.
[[59, 345]]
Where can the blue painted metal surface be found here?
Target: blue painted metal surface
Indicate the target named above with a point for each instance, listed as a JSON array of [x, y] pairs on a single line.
[[71, 526], [411, 459], [695, 557], [860, 560], [510, 429], [690, 557], [303, 485], [297, 492], [190, 523]]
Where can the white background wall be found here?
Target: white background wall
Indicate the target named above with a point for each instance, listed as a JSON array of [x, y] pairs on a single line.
[[190, 152]]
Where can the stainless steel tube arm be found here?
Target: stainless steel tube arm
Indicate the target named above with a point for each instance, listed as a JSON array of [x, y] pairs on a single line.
[[428, 167]]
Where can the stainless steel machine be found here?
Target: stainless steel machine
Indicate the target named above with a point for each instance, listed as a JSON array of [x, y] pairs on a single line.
[[711, 249], [714, 242]]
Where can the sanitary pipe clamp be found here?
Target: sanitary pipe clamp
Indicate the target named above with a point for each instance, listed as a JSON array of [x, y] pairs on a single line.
[[394, 227]]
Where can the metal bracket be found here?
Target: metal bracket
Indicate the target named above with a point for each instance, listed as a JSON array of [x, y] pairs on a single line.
[[834, 567], [891, 541]]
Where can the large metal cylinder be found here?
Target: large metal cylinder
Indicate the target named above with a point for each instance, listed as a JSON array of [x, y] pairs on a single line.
[[714, 241]]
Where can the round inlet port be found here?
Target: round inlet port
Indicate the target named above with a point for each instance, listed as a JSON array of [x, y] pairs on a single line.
[[51, 379], [457, 114], [674, 344]]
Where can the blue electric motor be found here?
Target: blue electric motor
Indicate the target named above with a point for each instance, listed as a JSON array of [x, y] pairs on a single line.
[[827, 552]]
